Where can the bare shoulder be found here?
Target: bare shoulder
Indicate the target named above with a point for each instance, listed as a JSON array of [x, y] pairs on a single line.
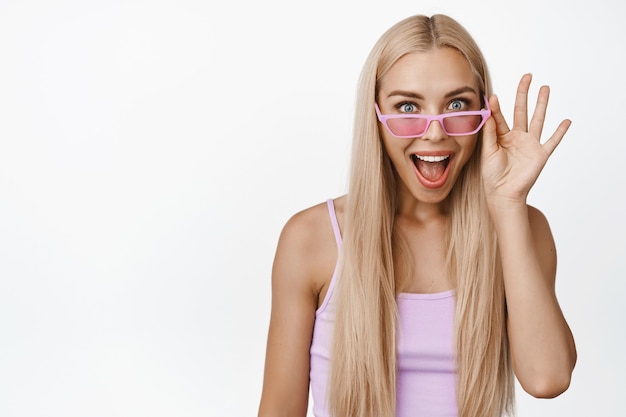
[[307, 228], [307, 247]]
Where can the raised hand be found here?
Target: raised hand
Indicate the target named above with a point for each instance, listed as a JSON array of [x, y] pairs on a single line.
[[512, 159]]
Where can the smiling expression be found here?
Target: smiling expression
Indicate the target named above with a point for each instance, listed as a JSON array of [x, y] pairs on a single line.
[[433, 82]]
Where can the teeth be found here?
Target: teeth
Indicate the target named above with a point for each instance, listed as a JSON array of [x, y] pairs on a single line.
[[431, 158]]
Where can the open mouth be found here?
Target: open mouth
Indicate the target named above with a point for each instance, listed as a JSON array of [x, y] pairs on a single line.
[[431, 167]]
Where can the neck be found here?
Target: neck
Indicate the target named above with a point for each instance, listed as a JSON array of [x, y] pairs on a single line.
[[410, 207]]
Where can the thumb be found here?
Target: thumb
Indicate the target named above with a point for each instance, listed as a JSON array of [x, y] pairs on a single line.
[[490, 138]]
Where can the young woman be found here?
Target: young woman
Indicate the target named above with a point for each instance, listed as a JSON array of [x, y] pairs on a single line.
[[431, 284]]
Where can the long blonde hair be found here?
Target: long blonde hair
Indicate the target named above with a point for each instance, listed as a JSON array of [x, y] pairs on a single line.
[[363, 365]]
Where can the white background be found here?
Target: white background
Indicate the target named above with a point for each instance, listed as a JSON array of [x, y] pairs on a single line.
[[151, 151]]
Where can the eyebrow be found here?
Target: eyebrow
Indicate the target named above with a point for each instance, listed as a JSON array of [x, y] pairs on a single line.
[[417, 96]]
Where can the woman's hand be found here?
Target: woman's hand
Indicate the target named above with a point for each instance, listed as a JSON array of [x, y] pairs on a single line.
[[513, 158]]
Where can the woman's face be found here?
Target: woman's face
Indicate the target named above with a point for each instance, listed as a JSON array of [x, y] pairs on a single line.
[[434, 82]]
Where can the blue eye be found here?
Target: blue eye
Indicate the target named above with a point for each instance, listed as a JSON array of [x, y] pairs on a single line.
[[407, 108], [457, 105]]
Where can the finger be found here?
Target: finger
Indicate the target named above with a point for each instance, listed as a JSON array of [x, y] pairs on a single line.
[[556, 137], [520, 111], [539, 115], [502, 128]]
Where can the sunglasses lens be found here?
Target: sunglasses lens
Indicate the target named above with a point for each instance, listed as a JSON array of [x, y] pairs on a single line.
[[462, 124], [457, 125], [407, 127]]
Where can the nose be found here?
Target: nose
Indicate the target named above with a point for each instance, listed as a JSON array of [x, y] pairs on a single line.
[[434, 132]]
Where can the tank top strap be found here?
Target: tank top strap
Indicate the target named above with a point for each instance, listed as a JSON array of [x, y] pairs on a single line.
[[333, 279], [333, 220]]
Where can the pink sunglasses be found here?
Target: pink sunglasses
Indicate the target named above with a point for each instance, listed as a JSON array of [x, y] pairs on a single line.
[[460, 123]]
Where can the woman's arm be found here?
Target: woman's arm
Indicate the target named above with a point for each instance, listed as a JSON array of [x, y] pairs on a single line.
[[301, 267], [542, 346]]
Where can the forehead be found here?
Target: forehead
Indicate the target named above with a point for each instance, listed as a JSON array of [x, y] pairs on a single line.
[[429, 73]]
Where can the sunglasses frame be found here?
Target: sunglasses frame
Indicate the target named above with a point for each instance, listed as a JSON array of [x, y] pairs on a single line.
[[485, 113]]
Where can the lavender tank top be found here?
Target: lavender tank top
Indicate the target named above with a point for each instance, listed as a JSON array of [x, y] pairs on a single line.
[[426, 380]]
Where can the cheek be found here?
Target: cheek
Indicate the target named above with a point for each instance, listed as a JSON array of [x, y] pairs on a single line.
[[394, 150], [469, 146]]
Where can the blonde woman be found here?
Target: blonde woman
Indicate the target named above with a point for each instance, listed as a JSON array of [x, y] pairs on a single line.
[[431, 285]]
